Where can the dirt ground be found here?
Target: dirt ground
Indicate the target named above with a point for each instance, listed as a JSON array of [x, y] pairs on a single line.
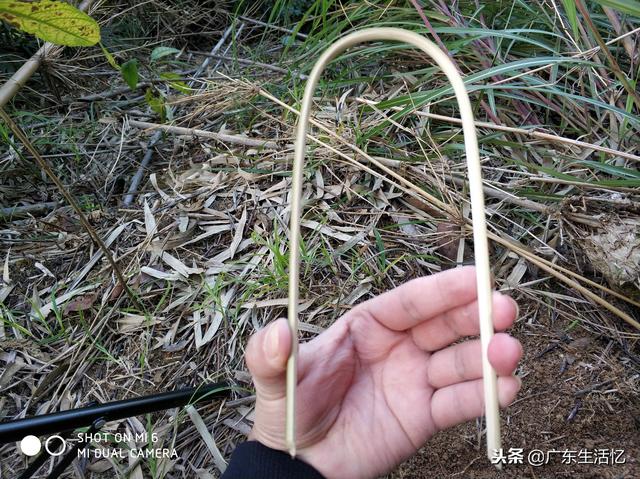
[[574, 398]]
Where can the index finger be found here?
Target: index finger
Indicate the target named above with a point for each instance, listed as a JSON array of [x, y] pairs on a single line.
[[422, 298]]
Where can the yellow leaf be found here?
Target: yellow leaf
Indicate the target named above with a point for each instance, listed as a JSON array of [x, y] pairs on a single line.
[[52, 21]]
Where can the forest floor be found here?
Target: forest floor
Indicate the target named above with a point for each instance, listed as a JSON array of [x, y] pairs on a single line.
[[202, 240]]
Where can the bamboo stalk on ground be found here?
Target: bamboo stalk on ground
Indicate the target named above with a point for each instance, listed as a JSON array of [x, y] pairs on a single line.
[[221, 137]]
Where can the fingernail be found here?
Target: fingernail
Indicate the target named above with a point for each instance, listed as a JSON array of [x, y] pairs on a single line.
[[517, 308], [273, 342], [519, 379]]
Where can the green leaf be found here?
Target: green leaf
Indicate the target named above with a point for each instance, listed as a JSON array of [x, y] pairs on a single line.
[[52, 21], [611, 169], [110, 58], [175, 82], [572, 15], [632, 7], [160, 52], [156, 103], [129, 71]]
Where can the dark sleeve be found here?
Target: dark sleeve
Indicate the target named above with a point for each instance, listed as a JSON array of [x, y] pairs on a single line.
[[253, 460]]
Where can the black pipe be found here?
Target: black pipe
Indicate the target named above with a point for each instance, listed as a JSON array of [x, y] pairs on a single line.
[[64, 421]]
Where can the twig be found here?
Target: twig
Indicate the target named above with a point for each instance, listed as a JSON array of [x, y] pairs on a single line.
[[593, 387], [221, 137], [235, 37], [215, 48], [27, 209], [20, 78], [21, 135], [302, 36], [526, 203], [137, 178], [244, 61]]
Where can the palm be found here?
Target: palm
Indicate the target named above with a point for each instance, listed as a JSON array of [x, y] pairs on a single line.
[[374, 387], [383, 401]]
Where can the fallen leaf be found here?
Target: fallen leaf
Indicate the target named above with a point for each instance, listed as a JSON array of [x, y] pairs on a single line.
[[80, 303]]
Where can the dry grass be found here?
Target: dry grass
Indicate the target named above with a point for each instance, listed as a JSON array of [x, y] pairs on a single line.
[[204, 244]]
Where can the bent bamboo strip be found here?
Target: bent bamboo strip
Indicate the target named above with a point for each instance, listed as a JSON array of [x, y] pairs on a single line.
[[477, 207]]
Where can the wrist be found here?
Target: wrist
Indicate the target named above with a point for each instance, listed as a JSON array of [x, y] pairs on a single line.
[[276, 442]]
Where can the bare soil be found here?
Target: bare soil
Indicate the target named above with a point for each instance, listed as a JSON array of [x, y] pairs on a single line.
[[574, 397]]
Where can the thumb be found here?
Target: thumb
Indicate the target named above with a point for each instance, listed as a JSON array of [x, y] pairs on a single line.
[[266, 356]]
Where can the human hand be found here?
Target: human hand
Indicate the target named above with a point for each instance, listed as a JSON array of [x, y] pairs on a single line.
[[385, 377]]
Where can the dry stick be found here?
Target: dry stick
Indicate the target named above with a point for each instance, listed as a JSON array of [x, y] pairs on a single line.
[[222, 137], [614, 64], [410, 188], [477, 204], [519, 131], [207, 60], [20, 78], [137, 178], [245, 61], [302, 36], [235, 37], [71, 200], [525, 203], [27, 209]]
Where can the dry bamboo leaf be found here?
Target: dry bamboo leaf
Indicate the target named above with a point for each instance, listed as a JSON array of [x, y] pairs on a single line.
[[207, 438], [238, 425], [363, 288], [310, 328], [154, 181], [178, 266], [517, 273], [204, 474], [150, 224], [154, 273], [100, 466], [94, 259], [326, 230], [130, 322], [10, 370], [136, 472], [183, 223], [44, 269], [209, 231], [271, 303], [47, 308], [215, 321], [7, 287], [237, 237]]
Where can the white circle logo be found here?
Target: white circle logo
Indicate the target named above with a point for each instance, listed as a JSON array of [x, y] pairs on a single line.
[[55, 453], [30, 445]]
